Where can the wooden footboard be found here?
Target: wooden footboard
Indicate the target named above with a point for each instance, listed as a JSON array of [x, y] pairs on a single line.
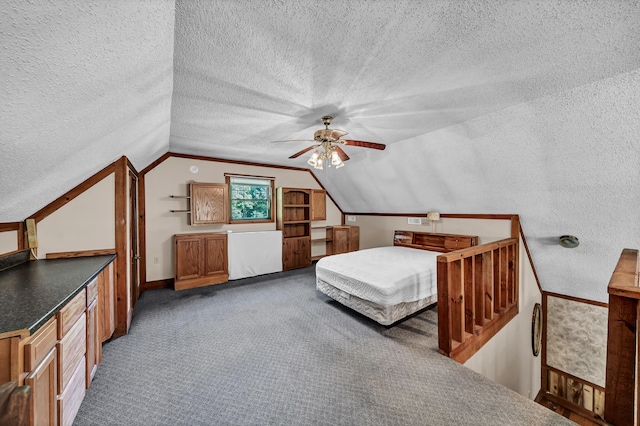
[[477, 295]]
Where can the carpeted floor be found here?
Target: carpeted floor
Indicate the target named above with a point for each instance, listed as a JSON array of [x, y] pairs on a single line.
[[271, 350]]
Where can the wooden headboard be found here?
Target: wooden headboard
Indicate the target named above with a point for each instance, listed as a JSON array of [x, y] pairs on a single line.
[[443, 243]]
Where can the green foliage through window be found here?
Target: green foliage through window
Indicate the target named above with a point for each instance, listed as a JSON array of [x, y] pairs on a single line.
[[250, 198]]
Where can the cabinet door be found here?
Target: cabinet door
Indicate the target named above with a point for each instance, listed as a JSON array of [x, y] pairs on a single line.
[[340, 239], [42, 408], [318, 204], [296, 253], [354, 238], [94, 346], [106, 303], [215, 256], [188, 258], [209, 203]]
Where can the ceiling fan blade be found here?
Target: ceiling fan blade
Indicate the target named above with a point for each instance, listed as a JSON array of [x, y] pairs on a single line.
[[294, 140], [363, 144], [337, 134], [343, 155], [299, 153]]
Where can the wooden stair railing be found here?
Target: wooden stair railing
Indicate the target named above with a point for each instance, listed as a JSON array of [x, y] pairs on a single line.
[[623, 362], [477, 295]]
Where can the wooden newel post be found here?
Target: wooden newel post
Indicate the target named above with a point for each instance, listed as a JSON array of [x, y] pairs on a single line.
[[622, 354]]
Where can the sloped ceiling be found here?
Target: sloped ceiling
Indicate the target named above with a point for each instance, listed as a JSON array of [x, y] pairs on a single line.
[[527, 107]]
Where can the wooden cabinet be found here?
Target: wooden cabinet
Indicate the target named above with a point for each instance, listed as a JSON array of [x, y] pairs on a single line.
[[72, 349], [318, 204], [200, 260], [293, 217], [209, 203], [345, 239]]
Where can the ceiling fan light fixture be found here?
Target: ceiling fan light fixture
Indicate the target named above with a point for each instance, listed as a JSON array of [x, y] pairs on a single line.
[[313, 160], [335, 159], [318, 164]]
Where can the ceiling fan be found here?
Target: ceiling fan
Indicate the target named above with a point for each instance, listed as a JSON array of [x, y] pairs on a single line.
[[328, 140]]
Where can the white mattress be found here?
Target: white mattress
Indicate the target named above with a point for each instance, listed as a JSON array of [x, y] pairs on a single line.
[[385, 276]]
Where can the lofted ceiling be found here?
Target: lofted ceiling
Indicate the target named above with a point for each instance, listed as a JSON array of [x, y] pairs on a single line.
[[527, 107]]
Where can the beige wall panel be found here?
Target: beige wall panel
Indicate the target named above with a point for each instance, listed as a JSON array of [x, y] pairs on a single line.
[[171, 177], [577, 338], [508, 357], [85, 223], [377, 231], [8, 241]]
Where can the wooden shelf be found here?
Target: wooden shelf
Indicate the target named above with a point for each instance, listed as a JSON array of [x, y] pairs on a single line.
[[293, 222], [296, 205], [321, 240], [313, 258]]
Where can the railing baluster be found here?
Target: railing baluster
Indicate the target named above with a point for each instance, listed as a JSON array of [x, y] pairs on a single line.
[[478, 289], [469, 294], [456, 290], [487, 282]]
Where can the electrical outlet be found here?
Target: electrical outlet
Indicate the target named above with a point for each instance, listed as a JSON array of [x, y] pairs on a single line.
[[351, 218], [156, 260]]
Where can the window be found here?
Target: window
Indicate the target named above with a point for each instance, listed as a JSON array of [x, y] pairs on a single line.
[[250, 198]]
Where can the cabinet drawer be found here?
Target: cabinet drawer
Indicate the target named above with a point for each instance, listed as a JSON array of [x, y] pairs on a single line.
[[68, 315], [40, 344], [70, 400], [92, 291], [71, 349], [454, 243]]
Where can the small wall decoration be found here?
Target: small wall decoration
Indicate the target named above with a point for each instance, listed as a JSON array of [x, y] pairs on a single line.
[[536, 329]]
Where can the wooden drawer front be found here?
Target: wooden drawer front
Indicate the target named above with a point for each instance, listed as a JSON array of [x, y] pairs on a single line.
[[92, 291], [71, 349], [40, 344], [429, 240], [70, 400], [455, 243], [68, 315]]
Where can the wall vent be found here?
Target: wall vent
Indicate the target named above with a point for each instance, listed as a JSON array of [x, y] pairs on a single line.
[[414, 221]]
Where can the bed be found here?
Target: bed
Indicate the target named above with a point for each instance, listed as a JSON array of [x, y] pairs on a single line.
[[388, 284]]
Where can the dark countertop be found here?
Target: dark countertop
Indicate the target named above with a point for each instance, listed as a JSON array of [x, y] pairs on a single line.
[[32, 292]]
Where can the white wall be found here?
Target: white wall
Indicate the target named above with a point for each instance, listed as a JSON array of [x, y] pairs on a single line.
[[85, 223], [377, 231], [8, 241], [171, 177], [508, 358]]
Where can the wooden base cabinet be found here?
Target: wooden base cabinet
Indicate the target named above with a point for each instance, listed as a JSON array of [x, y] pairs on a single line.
[[200, 260], [344, 239]]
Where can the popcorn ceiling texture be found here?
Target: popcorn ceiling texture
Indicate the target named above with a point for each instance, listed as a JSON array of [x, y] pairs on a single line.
[[577, 339], [527, 107]]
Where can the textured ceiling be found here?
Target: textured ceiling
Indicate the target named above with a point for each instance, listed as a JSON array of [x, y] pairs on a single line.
[[527, 107]]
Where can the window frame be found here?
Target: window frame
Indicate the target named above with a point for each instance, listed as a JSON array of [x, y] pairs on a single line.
[[272, 212]]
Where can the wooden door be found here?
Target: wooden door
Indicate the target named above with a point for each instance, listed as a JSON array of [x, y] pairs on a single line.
[[188, 258], [318, 204], [215, 256], [43, 382], [134, 252], [209, 203]]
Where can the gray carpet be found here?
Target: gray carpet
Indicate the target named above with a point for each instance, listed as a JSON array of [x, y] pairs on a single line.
[[270, 350]]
